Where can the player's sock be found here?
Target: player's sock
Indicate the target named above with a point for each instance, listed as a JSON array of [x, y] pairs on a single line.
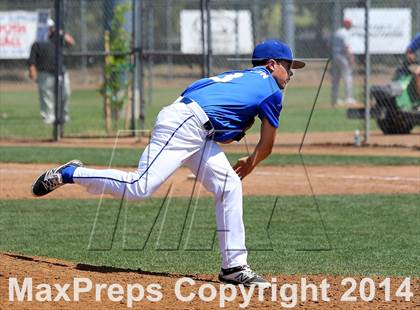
[[67, 174]]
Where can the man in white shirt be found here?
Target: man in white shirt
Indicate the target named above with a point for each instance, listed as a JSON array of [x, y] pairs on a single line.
[[342, 63]]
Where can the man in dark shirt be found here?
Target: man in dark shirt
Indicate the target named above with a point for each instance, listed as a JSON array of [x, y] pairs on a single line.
[[41, 69]]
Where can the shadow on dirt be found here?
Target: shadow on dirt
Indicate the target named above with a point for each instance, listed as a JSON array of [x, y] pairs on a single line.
[[108, 269]]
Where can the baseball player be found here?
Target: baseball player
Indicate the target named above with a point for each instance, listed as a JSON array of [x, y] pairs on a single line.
[[411, 56], [210, 111]]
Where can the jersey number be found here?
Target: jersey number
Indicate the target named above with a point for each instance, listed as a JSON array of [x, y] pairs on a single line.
[[227, 78]]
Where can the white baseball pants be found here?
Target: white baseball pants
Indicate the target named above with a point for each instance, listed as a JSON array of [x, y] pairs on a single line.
[[178, 138], [341, 69]]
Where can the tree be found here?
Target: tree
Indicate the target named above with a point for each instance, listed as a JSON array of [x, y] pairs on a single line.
[[116, 81]]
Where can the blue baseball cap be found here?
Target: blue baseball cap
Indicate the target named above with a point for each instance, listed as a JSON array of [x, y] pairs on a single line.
[[274, 49]]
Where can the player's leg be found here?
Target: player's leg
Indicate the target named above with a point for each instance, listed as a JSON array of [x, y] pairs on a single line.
[[177, 135], [214, 171]]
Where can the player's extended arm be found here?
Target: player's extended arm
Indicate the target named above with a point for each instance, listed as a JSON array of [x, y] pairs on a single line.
[[245, 165]]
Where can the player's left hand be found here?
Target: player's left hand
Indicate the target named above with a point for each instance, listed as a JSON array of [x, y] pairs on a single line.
[[243, 167]]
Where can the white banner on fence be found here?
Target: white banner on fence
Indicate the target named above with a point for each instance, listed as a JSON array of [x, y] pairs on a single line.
[[17, 33], [231, 32], [389, 30]]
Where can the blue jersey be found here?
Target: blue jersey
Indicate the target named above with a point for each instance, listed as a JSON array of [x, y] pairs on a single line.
[[415, 44], [232, 99]]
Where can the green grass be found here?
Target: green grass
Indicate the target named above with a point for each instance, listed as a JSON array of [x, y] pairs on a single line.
[[23, 119], [86, 112], [366, 234], [130, 157], [297, 105]]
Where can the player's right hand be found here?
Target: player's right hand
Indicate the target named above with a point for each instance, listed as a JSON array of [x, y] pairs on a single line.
[[243, 167]]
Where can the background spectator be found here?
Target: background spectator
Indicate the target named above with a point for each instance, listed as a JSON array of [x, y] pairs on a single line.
[[342, 63], [42, 69]]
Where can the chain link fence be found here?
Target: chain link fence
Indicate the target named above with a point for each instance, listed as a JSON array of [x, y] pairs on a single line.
[[98, 63], [122, 72]]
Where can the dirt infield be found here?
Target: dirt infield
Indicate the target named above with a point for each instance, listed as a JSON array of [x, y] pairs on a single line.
[[53, 271], [289, 180]]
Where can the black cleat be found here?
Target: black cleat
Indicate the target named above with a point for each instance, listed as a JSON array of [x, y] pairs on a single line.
[[242, 275], [52, 179]]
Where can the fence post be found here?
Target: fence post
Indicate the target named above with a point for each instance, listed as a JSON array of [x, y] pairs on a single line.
[[151, 47], [141, 58], [209, 47], [203, 38], [135, 83], [169, 68], [337, 17], [255, 22], [236, 20], [83, 40], [58, 107], [367, 73], [416, 18], [288, 12]]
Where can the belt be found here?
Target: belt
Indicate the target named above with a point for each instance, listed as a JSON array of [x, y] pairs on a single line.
[[200, 114]]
